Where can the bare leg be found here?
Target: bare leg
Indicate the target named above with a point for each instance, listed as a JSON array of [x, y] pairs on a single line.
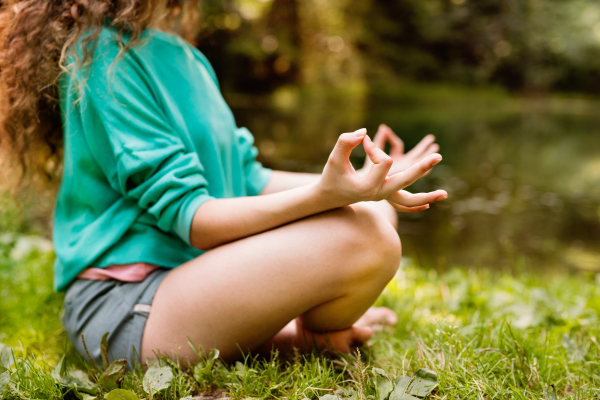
[[386, 210], [327, 269]]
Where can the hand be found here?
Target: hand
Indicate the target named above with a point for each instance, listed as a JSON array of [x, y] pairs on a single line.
[[402, 161], [341, 185]]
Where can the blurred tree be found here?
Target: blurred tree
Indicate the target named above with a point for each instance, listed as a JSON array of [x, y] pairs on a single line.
[[529, 46], [526, 45]]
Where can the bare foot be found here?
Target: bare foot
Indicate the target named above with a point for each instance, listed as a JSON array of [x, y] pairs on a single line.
[[377, 318], [295, 335], [344, 340]]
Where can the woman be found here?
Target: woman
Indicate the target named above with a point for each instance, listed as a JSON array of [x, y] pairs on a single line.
[[166, 228]]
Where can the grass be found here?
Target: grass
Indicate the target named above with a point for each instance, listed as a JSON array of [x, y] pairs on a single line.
[[487, 335]]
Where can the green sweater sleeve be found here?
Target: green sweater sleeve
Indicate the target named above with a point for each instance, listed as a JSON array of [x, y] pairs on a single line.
[[256, 175], [144, 159]]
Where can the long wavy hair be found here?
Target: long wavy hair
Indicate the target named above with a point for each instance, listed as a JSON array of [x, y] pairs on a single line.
[[35, 38]]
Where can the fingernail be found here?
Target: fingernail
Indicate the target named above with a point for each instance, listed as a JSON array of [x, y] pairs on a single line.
[[437, 161], [361, 132], [442, 197], [426, 206]]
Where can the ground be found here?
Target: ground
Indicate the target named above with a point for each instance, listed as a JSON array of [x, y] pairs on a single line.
[[486, 334]]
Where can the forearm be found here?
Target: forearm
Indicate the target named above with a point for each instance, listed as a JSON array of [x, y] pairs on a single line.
[[281, 180], [221, 221]]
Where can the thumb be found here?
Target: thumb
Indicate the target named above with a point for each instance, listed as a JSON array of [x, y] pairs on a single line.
[[345, 144]]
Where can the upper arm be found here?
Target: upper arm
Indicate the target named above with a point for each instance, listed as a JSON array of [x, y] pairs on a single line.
[[142, 155]]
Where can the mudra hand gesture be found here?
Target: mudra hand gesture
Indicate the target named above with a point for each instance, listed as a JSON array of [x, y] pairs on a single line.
[[383, 177], [401, 160]]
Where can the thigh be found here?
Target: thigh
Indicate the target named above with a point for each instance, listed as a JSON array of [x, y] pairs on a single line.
[[241, 294]]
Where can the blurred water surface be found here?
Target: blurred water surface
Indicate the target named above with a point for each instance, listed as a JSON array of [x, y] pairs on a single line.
[[523, 174]]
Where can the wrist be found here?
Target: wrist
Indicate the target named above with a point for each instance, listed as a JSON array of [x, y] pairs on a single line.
[[327, 197]]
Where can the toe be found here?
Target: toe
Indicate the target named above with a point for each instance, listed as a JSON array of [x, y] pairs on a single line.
[[361, 334], [390, 317], [375, 317]]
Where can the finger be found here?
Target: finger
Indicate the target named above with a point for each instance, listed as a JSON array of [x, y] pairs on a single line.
[[400, 208], [345, 144], [420, 148], [379, 140], [408, 199], [406, 178], [433, 148], [380, 137], [386, 135], [381, 162], [396, 144]]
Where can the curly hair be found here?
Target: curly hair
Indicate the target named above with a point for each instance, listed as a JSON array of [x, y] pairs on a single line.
[[35, 38]]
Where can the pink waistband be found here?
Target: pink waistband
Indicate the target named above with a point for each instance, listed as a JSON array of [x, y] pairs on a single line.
[[135, 272]]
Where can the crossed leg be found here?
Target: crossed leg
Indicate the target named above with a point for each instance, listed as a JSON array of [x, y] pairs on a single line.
[[325, 270]]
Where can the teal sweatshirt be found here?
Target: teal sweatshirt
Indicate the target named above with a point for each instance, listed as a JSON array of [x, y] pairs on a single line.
[[147, 140]]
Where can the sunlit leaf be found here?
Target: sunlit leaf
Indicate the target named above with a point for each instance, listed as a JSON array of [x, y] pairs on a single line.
[[68, 381], [4, 379], [121, 394], [203, 370], [84, 396], [329, 397], [240, 369], [424, 383], [6, 357], [575, 353], [550, 393], [399, 392], [383, 384], [348, 394], [157, 379], [112, 377], [61, 368], [104, 350]]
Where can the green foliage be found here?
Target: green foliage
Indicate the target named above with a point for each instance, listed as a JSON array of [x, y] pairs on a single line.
[[157, 379], [529, 46], [419, 384], [523, 45], [461, 334], [113, 375], [29, 307], [121, 394]]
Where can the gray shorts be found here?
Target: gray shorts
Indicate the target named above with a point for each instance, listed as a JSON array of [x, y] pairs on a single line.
[[93, 308]]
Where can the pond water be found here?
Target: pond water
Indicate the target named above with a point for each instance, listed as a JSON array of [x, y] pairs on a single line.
[[523, 175]]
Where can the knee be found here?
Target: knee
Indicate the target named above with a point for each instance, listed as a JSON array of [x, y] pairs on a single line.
[[372, 241]]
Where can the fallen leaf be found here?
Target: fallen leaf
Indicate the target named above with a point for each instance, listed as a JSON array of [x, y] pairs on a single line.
[[157, 379], [424, 383], [4, 379], [383, 384], [550, 393], [6, 357], [68, 381], [329, 397], [399, 392], [112, 377], [121, 394], [84, 396]]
